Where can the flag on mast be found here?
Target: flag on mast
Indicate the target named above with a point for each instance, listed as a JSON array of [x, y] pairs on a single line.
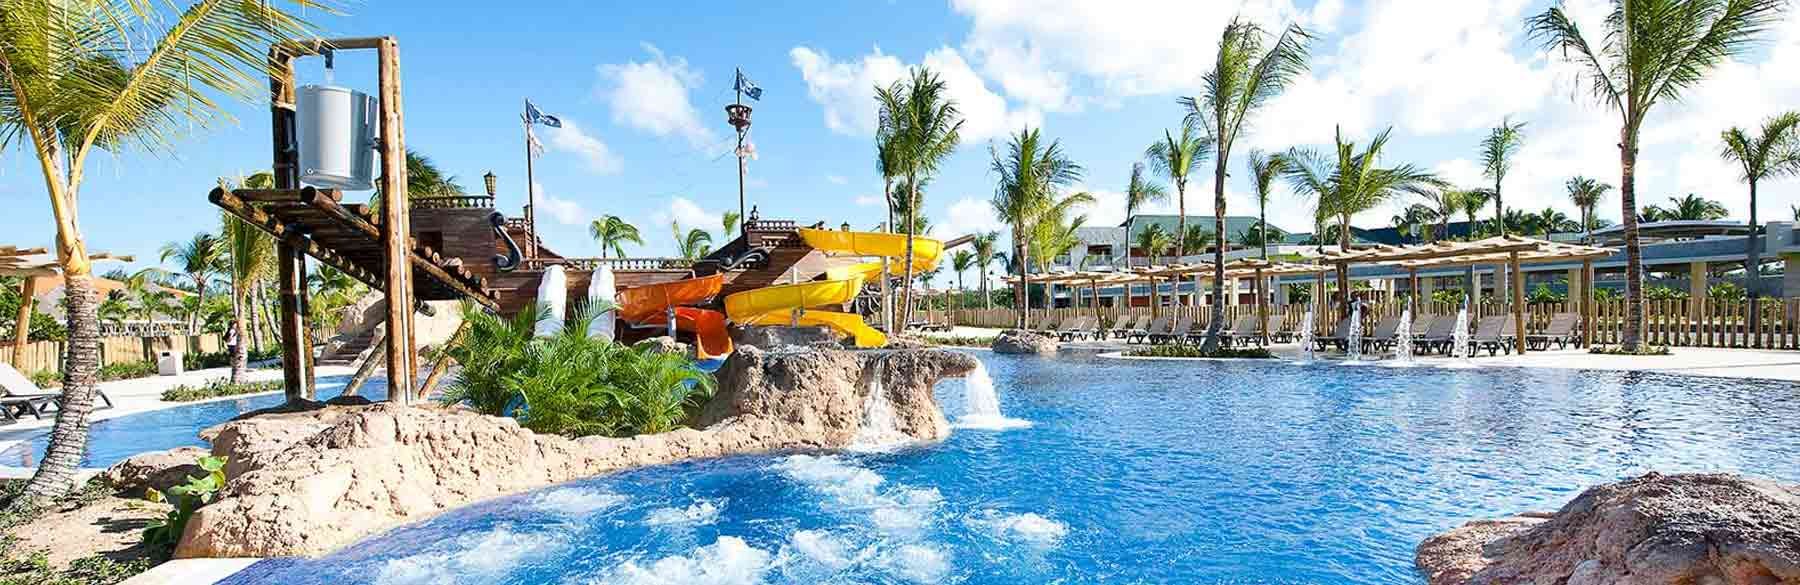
[[531, 141], [535, 116], [747, 87]]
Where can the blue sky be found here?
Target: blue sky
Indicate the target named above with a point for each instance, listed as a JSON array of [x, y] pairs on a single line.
[[643, 85]]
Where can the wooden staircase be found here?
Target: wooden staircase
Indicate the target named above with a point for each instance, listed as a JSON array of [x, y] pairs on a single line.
[[348, 353]]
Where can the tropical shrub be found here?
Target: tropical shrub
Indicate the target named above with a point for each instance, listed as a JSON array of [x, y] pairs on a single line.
[[1725, 291], [165, 532], [1605, 294], [1544, 295], [1665, 293], [1195, 351], [568, 383], [216, 388], [47, 378], [127, 370], [1449, 296], [221, 359]]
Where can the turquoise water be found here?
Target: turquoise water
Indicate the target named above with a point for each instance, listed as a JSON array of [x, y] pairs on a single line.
[[1130, 472], [114, 439]]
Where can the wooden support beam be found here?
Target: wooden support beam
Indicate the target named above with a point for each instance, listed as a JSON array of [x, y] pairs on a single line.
[[396, 227], [443, 363], [1587, 303], [365, 367], [275, 227], [289, 266], [1262, 305], [22, 324], [474, 290], [1518, 299], [283, 195]]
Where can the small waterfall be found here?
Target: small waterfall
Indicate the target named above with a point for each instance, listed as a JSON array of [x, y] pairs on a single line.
[[981, 405], [1306, 336], [880, 428], [1354, 349], [1403, 347], [1460, 336]]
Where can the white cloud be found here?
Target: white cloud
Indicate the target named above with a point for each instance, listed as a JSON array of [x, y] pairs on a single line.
[[690, 214], [967, 216], [846, 90], [564, 211], [652, 96], [870, 200], [836, 179], [571, 138]]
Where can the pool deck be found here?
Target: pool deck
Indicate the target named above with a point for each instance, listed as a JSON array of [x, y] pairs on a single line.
[[132, 397]]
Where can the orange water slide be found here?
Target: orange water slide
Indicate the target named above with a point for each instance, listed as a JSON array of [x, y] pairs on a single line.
[[652, 304]]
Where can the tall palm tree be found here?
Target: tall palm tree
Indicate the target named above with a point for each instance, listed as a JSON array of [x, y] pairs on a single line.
[[984, 257], [1654, 51], [199, 258], [1351, 182], [613, 231], [1515, 220], [1264, 168], [83, 75], [250, 256], [1773, 153], [1413, 221], [1586, 193], [1176, 158], [1140, 192], [887, 162], [1153, 240], [1054, 233], [692, 244], [730, 220], [1473, 200], [961, 262], [923, 127], [1551, 220], [1497, 151], [1196, 237], [1248, 73], [1031, 176], [1445, 204], [1693, 207], [425, 179]]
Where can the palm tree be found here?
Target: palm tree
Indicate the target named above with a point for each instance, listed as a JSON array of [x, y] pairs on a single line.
[[1445, 204], [915, 221], [81, 75], [922, 125], [1153, 240], [1585, 193], [1054, 233], [1412, 221], [1693, 207], [730, 221], [984, 257], [1031, 174], [1497, 151], [1175, 158], [1516, 221], [199, 258], [613, 231], [692, 244], [1248, 73], [887, 162], [425, 179], [1773, 153], [961, 262], [1264, 168], [1472, 202], [1352, 182], [1654, 50], [1550, 220], [250, 256], [1140, 191], [1196, 237]]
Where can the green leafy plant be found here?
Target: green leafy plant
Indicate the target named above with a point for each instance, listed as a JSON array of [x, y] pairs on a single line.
[[1451, 296], [959, 340], [568, 383], [1664, 293], [1605, 294], [164, 533], [1544, 295], [127, 370], [217, 388], [1645, 349], [1725, 291]]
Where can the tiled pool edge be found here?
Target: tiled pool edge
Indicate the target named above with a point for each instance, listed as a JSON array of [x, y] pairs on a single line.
[[192, 571]]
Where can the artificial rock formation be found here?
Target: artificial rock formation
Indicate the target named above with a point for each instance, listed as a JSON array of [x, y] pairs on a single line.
[[769, 337], [160, 470], [1713, 529], [1025, 342], [307, 482]]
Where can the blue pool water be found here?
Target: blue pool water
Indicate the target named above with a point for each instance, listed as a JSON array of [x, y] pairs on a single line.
[[1130, 472], [114, 439]]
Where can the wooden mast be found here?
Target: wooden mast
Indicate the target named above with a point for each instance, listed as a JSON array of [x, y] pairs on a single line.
[[396, 227]]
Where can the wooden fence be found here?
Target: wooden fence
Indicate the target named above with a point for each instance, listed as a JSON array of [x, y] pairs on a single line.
[[1691, 323], [48, 355]]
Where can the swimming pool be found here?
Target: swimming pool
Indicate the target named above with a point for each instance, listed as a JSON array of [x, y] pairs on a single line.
[[112, 440], [1130, 472]]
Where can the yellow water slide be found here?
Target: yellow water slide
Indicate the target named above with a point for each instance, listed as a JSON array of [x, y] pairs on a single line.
[[792, 303]]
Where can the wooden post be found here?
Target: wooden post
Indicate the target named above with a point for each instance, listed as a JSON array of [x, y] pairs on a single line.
[[443, 363], [22, 324], [1094, 296], [1153, 298], [1262, 305], [1587, 303], [1518, 299], [293, 327], [365, 367], [304, 301], [395, 229]]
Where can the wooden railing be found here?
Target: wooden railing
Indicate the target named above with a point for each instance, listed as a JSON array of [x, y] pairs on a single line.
[[458, 202], [1703, 323], [617, 264]]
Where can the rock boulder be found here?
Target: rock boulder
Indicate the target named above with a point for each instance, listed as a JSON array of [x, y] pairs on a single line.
[[1686, 528], [769, 337], [157, 469], [306, 481], [1024, 342]]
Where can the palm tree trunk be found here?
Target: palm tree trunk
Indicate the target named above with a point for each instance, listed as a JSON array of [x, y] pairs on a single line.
[[55, 475], [1262, 228], [1211, 344], [887, 295], [912, 222], [1632, 332], [1752, 268], [1180, 219], [240, 358], [1343, 270], [987, 299], [1020, 302]]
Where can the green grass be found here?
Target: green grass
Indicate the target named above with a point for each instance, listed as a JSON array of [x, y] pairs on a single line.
[[217, 388], [1643, 349], [1193, 351], [22, 567]]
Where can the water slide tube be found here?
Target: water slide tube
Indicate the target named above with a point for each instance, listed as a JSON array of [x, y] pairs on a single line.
[[602, 287], [662, 304], [552, 295], [789, 303]]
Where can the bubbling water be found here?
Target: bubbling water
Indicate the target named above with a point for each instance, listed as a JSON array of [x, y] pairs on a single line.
[[1460, 336], [1354, 349], [981, 405], [1403, 345], [1306, 336]]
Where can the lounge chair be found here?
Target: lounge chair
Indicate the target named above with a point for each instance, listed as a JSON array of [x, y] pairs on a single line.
[[1283, 333], [1073, 328], [1094, 330], [1339, 337], [1495, 333], [1119, 324], [1420, 326], [1137, 327], [1048, 326], [1175, 333], [1244, 331], [1383, 335], [1158, 326], [1437, 336], [1562, 330], [23, 397]]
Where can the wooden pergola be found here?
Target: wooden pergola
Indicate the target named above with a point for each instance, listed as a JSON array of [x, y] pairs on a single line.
[[1513, 251], [30, 263], [1093, 280]]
